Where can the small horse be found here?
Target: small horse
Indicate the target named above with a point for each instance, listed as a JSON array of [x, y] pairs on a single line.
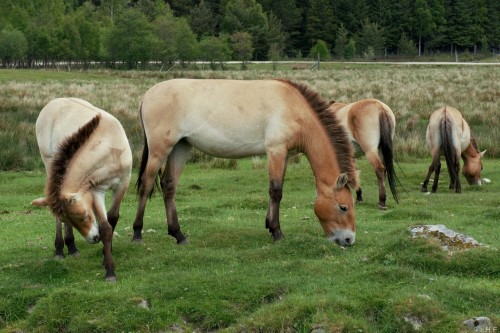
[[449, 134], [236, 119], [85, 152], [370, 125]]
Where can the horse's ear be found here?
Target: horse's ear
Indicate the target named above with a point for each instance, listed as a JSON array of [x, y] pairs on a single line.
[[342, 181], [332, 101], [481, 154], [42, 202]]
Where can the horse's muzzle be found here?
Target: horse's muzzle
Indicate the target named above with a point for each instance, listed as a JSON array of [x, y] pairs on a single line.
[[343, 237]]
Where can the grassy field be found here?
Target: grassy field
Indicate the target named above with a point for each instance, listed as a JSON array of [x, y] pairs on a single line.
[[232, 277]]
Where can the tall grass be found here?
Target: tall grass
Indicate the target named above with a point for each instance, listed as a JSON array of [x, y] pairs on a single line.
[[413, 93]]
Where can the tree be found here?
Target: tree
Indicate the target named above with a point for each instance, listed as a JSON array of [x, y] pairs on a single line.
[[341, 41], [320, 22], [247, 16], [202, 20], [215, 50], [406, 46], [241, 43], [13, 46], [319, 50], [131, 39], [371, 39], [176, 39], [290, 16], [276, 38]]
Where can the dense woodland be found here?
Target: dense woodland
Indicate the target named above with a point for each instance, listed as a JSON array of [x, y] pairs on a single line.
[[132, 33]]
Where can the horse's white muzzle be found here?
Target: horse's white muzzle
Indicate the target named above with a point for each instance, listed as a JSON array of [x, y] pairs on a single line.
[[93, 235], [343, 237]]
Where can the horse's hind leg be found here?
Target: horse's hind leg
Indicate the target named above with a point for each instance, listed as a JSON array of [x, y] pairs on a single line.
[[380, 172], [175, 163], [433, 167], [148, 180]]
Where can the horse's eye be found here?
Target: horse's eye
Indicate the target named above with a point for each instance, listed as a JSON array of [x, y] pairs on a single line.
[[343, 208]]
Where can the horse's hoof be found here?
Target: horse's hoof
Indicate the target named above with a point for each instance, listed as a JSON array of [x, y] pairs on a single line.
[[111, 278], [359, 201], [75, 254], [137, 240], [58, 256], [183, 242], [382, 207]]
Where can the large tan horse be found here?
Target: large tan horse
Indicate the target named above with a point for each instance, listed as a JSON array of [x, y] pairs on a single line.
[[235, 119], [371, 125], [449, 134], [85, 152]]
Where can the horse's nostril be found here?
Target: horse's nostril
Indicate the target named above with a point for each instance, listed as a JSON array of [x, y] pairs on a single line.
[[348, 241], [96, 238]]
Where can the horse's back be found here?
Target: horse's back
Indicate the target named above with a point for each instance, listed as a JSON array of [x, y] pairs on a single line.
[[62, 117], [225, 118]]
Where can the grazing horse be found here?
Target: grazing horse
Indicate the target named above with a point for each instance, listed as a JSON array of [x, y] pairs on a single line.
[[85, 152], [370, 125], [449, 134], [236, 119]]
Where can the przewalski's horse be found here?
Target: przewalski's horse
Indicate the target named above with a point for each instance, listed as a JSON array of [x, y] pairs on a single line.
[[235, 119], [370, 124], [449, 134], [85, 152]]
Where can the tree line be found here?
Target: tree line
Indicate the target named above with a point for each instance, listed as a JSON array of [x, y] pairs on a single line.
[[132, 33]]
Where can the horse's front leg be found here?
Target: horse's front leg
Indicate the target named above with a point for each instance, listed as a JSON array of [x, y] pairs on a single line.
[[114, 212], [277, 165], [59, 241], [106, 234], [69, 240]]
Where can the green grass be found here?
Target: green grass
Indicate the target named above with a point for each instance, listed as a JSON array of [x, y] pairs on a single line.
[[233, 278]]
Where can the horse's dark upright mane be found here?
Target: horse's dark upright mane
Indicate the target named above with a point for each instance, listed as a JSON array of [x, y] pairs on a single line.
[[473, 142], [336, 132], [59, 165]]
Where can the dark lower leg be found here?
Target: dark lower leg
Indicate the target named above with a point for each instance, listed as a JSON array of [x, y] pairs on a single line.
[[272, 218], [69, 240]]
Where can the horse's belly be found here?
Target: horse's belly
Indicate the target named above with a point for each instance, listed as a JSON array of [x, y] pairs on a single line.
[[227, 147]]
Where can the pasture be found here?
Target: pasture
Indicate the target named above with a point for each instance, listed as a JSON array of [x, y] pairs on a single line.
[[232, 277]]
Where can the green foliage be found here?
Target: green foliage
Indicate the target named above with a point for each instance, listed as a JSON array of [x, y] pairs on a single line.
[[131, 39], [371, 39], [241, 43], [13, 46], [406, 46], [320, 50], [216, 50]]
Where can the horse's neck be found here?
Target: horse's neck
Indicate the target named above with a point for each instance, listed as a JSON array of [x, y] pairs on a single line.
[[323, 160], [469, 152]]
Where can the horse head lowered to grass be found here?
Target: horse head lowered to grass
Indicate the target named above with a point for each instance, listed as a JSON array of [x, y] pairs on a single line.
[[85, 152], [235, 119], [449, 134]]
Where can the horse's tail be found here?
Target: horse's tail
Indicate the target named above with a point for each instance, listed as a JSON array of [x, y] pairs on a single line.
[[144, 160], [450, 153], [386, 148]]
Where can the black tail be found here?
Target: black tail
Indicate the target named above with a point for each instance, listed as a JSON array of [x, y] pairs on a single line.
[[144, 162], [386, 148], [450, 153]]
